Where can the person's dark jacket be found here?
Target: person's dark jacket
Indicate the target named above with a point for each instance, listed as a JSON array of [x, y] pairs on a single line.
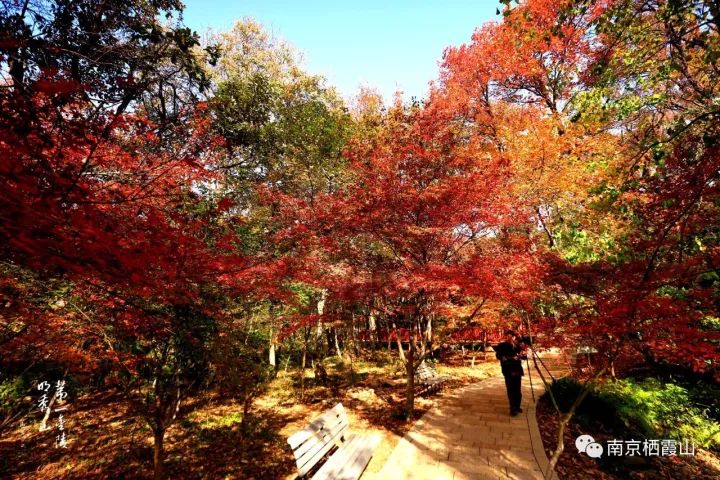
[[510, 356]]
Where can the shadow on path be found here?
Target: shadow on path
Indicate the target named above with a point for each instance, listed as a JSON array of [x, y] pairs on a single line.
[[470, 435]]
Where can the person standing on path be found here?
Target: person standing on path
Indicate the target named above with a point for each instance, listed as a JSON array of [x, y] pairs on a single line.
[[510, 353]]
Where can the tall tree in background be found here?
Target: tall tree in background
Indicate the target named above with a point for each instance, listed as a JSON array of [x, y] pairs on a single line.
[[282, 126], [283, 129]]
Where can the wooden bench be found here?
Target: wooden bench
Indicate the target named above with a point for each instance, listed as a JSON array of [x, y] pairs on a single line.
[[311, 444], [427, 379]]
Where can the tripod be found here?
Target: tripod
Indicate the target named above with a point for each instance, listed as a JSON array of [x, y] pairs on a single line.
[[536, 359]]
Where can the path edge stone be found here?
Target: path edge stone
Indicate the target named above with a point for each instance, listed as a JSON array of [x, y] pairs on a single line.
[[538, 448]]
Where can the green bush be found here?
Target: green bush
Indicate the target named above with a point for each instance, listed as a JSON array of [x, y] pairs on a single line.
[[706, 396], [566, 390], [649, 407], [662, 408], [11, 391], [594, 407]]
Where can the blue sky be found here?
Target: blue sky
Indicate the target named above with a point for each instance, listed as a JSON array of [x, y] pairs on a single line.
[[387, 44]]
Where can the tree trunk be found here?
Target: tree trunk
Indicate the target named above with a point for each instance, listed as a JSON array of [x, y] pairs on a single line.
[[320, 327], [565, 419], [410, 369], [352, 367], [158, 453], [271, 355], [338, 352], [271, 351], [303, 364], [328, 343], [287, 363], [247, 404], [353, 337], [321, 303], [560, 446]]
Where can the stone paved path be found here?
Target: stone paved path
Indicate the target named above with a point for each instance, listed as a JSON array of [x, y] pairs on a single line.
[[470, 435]]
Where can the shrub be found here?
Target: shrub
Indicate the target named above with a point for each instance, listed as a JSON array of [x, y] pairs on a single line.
[[11, 390], [662, 408], [594, 407], [649, 407]]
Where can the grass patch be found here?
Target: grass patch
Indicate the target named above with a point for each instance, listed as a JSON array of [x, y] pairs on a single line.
[[649, 407], [221, 422]]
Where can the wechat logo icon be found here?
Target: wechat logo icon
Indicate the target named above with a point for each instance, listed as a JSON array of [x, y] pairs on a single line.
[[587, 445]]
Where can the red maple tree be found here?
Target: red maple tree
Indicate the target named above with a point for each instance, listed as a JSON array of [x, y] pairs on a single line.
[[425, 223]]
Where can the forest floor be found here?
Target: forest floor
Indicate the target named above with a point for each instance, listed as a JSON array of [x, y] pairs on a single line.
[[105, 441], [574, 466]]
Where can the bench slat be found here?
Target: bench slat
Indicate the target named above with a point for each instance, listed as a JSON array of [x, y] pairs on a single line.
[[319, 446], [355, 468], [310, 444], [337, 461], [326, 429], [311, 459], [338, 411], [428, 379], [350, 461], [320, 430]]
